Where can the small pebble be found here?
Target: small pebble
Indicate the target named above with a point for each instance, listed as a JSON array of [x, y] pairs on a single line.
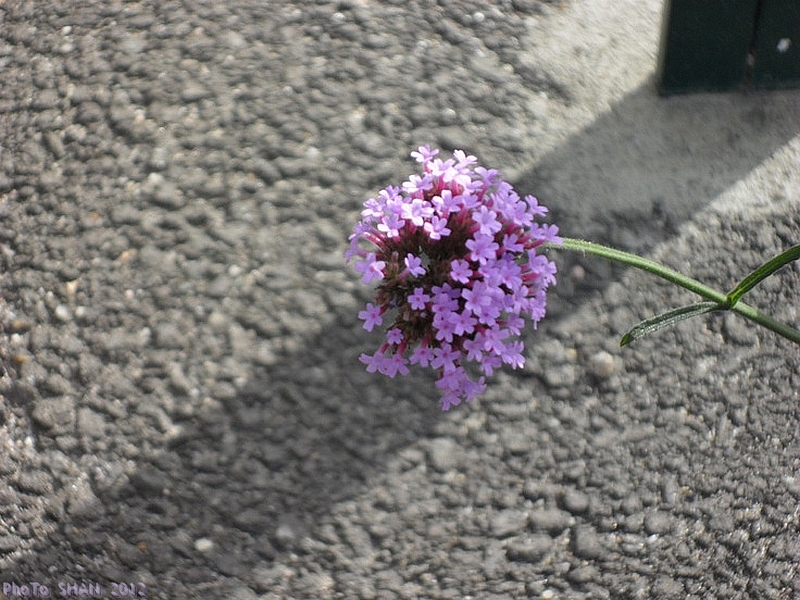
[[20, 326], [443, 454], [285, 534], [55, 414], [530, 549], [586, 543], [602, 365], [552, 521], [669, 491], [582, 575], [82, 502], [35, 482], [203, 545], [657, 523], [575, 502], [508, 522], [62, 313]]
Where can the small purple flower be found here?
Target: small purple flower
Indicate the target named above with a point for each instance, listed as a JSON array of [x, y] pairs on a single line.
[[488, 176], [372, 209], [422, 356], [460, 271], [445, 357], [394, 336], [462, 323], [512, 354], [371, 268], [490, 363], [394, 364], [444, 326], [416, 211], [414, 265], [463, 160], [373, 361], [445, 298], [482, 248], [511, 243], [418, 300], [455, 254], [514, 324], [474, 348], [486, 220], [436, 228], [424, 154], [391, 225], [371, 316]]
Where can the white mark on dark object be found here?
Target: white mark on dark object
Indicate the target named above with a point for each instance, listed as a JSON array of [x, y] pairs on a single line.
[[784, 44]]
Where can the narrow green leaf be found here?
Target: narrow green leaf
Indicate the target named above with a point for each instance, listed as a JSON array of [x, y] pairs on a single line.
[[762, 272], [720, 300], [668, 318]]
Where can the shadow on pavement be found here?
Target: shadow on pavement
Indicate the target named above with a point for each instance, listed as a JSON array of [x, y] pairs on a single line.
[[647, 165], [309, 430]]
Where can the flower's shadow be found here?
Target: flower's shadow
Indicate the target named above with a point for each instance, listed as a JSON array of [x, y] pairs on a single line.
[[254, 473], [322, 427]]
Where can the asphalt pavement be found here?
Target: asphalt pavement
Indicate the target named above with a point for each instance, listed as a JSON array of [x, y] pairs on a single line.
[[182, 409]]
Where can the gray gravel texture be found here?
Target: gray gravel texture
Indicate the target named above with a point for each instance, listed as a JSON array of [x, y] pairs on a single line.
[[183, 405]]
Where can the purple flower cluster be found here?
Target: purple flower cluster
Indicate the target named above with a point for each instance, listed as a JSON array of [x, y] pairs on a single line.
[[454, 255]]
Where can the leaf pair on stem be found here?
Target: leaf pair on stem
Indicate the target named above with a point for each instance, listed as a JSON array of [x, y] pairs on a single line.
[[715, 300]]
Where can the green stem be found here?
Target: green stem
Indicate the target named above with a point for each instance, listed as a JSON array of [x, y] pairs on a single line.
[[644, 264], [673, 276], [790, 333]]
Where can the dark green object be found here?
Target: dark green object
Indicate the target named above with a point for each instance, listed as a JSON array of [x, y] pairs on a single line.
[[668, 319], [721, 45], [761, 273], [776, 50], [705, 44]]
